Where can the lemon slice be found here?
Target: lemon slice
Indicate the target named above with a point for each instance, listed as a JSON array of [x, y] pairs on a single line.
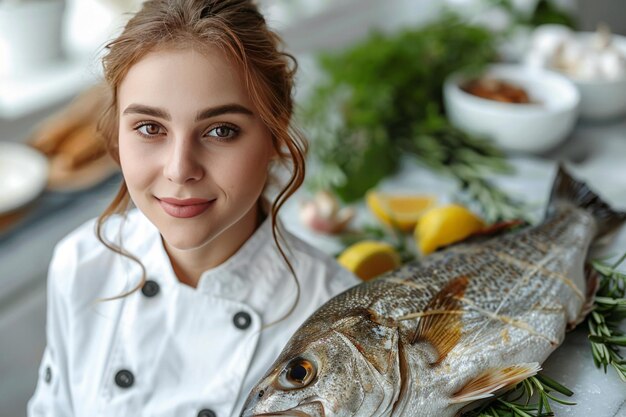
[[369, 258], [399, 211], [441, 226]]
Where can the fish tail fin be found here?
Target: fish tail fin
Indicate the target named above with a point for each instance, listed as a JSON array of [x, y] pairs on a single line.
[[569, 190]]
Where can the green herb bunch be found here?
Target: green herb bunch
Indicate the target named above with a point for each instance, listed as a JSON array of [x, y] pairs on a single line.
[[529, 398], [609, 311], [382, 99]]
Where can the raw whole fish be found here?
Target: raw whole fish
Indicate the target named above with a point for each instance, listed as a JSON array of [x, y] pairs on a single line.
[[430, 339]]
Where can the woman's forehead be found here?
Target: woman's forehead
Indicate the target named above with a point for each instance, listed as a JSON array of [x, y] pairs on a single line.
[[183, 77]]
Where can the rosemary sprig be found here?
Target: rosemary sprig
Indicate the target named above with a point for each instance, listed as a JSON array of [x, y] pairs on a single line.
[[529, 398], [609, 311], [495, 204], [471, 161]]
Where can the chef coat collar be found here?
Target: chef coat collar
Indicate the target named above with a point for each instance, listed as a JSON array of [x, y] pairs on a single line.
[[224, 279], [236, 277]]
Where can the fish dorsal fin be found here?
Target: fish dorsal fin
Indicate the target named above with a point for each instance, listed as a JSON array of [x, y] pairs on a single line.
[[500, 228], [440, 323], [489, 232], [494, 379]]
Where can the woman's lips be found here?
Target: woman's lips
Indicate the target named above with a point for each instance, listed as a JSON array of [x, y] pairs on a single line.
[[184, 209]]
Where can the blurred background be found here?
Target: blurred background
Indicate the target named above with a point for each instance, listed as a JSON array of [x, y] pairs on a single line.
[[49, 56]]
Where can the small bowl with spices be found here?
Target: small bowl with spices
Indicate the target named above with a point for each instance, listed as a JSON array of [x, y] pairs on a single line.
[[521, 109]]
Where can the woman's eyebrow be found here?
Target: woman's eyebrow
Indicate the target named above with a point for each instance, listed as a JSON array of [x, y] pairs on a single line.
[[148, 111], [226, 108], [202, 114]]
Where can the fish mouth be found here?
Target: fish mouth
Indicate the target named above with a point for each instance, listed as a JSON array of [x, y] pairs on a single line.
[[313, 409]]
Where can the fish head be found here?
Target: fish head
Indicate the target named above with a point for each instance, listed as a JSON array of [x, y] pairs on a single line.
[[350, 369]]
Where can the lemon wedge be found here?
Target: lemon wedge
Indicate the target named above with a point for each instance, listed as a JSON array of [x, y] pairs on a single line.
[[399, 211], [441, 226], [368, 259]]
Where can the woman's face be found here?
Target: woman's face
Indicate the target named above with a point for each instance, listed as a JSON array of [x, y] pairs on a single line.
[[193, 150]]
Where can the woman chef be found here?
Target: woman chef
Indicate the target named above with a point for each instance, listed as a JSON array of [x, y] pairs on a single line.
[[178, 306]]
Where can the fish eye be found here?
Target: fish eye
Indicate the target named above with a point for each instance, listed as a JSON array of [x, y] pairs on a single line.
[[298, 373]]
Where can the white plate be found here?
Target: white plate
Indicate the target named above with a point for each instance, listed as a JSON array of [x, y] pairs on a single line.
[[23, 175]]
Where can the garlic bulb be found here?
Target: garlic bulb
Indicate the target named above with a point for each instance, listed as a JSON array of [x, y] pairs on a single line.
[[587, 67], [323, 214], [593, 58], [547, 38]]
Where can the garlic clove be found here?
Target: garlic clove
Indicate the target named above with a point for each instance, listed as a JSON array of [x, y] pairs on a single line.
[[572, 53], [326, 203], [601, 38], [588, 67], [307, 212], [612, 64], [344, 217], [547, 38], [322, 214], [310, 217]]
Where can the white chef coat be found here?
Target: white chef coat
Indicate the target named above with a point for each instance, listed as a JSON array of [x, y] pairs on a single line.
[[169, 349]]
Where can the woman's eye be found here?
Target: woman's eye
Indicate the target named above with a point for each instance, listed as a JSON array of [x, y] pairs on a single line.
[[223, 132], [149, 129]]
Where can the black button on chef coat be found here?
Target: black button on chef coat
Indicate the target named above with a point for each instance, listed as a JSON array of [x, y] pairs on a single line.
[[207, 413], [242, 320], [150, 288], [124, 379]]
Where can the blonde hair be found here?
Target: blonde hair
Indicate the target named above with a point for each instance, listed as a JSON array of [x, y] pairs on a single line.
[[238, 29]]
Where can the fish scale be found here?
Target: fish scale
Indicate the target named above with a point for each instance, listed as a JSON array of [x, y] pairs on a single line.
[[430, 339]]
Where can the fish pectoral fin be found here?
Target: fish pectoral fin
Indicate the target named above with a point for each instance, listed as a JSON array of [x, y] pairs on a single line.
[[441, 321], [494, 379]]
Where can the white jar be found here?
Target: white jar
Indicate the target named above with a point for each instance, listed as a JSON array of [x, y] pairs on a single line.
[[30, 35]]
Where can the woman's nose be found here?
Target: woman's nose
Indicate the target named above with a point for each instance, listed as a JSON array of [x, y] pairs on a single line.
[[182, 163]]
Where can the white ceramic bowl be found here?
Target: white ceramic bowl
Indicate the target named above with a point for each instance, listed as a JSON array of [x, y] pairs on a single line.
[[599, 99], [533, 128], [602, 99]]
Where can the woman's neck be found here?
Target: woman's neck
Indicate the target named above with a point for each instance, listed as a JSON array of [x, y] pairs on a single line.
[[189, 265]]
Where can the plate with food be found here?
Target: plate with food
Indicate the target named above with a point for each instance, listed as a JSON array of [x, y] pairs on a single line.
[[23, 175]]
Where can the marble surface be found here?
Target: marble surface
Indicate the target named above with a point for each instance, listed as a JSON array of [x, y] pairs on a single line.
[[595, 153]]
